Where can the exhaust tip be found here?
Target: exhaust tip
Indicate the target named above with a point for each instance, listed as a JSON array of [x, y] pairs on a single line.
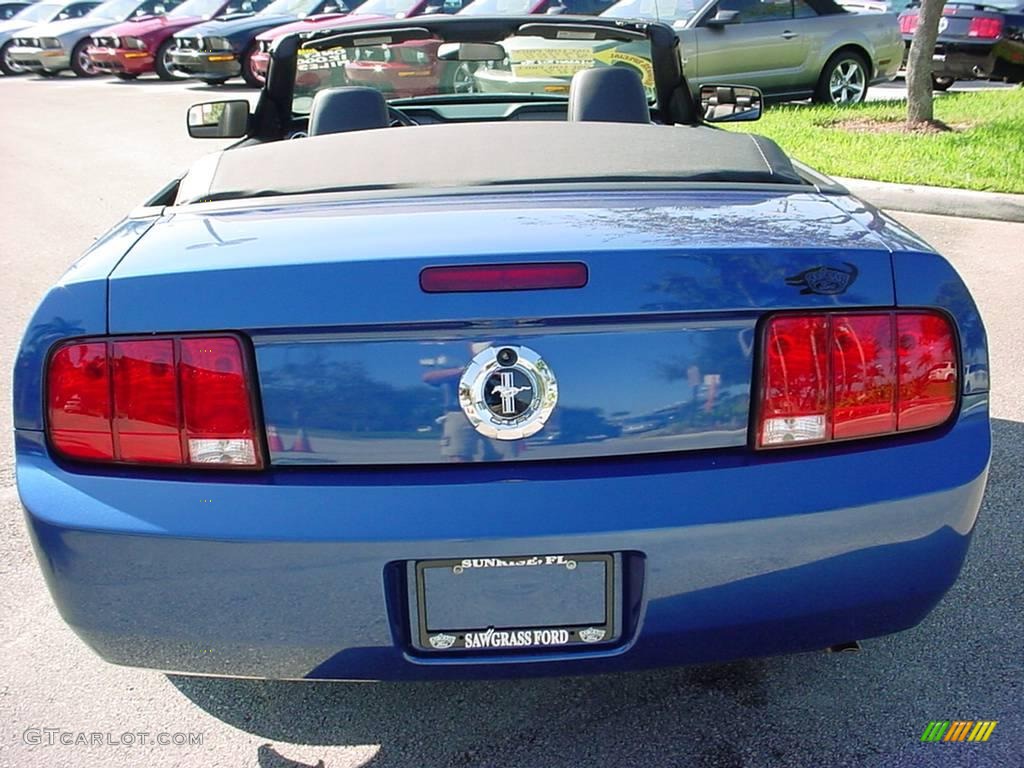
[[850, 647]]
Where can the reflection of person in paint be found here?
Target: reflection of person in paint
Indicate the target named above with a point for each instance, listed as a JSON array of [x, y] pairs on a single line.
[[459, 441]]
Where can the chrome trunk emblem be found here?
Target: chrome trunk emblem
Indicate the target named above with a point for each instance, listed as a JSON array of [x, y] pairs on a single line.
[[508, 393]]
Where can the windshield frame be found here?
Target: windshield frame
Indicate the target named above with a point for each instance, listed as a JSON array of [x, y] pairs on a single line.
[[268, 10], [360, 9], [176, 12], [54, 9], [698, 6], [129, 5], [469, 8], [1009, 7]]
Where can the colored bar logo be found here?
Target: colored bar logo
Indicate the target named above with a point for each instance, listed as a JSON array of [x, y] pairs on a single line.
[[959, 730]]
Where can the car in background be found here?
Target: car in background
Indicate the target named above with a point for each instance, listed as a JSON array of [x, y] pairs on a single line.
[[369, 10], [977, 41], [141, 45], [790, 49], [297, 407], [33, 15], [413, 69], [548, 66], [223, 48], [49, 49], [874, 6], [260, 60]]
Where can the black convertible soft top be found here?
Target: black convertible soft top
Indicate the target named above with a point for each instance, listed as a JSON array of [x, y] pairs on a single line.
[[486, 154]]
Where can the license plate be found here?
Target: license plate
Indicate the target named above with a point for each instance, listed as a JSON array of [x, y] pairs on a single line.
[[940, 57], [521, 602]]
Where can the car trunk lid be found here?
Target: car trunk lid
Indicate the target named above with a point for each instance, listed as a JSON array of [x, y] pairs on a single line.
[[358, 365]]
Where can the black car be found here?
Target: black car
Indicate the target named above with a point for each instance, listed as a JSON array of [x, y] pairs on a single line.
[[977, 41]]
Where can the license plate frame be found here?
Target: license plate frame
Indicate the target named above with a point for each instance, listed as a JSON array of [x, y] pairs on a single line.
[[499, 637]]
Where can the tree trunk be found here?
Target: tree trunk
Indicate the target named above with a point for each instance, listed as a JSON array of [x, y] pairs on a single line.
[[919, 62]]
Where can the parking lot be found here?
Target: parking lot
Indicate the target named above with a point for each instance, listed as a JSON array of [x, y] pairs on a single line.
[[76, 155]]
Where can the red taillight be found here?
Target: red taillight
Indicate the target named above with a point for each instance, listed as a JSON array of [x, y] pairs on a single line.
[[503, 277], [863, 376], [218, 416], [986, 27], [836, 376], [173, 401], [147, 411], [795, 389], [908, 24], [79, 401], [927, 371]]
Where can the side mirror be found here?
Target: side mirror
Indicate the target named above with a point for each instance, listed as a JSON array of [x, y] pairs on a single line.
[[432, 9], [219, 119], [555, 10], [723, 18], [730, 103]]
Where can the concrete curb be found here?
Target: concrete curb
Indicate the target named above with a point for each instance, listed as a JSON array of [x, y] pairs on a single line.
[[940, 201]]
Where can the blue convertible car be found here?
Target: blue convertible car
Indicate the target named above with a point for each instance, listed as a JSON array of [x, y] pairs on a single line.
[[476, 385]]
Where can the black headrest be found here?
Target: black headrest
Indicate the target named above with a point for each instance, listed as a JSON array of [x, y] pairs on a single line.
[[336, 110], [608, 95]]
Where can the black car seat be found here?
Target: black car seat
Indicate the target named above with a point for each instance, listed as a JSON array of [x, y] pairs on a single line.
[[608, 95], [349, 108]]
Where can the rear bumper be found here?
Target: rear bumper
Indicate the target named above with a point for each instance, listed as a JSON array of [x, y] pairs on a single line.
[[301, 574], [41, 59], [206, 65], [118, 60], [503, 81], [964, 61], [397, 81]]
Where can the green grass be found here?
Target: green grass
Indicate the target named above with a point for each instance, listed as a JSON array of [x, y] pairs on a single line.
[[986, 151]]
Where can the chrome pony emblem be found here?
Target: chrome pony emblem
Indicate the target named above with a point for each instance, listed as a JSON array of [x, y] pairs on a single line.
[[507, 390], [508, 393]]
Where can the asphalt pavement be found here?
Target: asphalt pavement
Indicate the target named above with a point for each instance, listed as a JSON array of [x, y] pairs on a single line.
[[897, 89], [75, 156]]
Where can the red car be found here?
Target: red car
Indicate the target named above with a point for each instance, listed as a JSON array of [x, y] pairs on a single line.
[[142, 45], [368, 11]]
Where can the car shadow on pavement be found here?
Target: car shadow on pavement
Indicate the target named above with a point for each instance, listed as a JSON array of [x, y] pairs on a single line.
[[229, 87], [865, 709], [144, 80]]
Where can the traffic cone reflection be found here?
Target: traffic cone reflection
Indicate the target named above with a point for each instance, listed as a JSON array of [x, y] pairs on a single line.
[[274, 440], [301, 443]]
